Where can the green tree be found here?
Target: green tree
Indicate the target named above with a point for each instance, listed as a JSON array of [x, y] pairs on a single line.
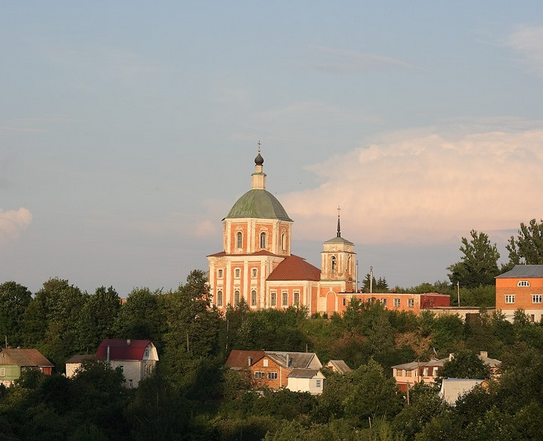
[[465, 364], [98, 317], [479, 262], [377, 285], [14, 299], [142, 316], [527, 247], [372, 395]]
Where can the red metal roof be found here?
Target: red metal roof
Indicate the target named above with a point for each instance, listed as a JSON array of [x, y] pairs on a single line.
[[295, 268], [121, 349]]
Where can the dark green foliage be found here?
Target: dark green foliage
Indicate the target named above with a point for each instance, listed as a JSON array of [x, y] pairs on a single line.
[[14, 299], [527, 247], [465, 364], [479, 262]]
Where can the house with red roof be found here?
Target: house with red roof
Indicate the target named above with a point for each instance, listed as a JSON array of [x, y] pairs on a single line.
[[15, 361], [135, 358]]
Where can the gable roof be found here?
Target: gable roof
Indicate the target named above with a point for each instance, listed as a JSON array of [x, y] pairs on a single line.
[[305, 373], [295, 268], [293, 360], [338, 366], [239, 360], [523, 271], [122, 349], [80, 358], [24, 358]]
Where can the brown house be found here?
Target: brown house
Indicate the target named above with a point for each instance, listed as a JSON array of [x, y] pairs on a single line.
[[273, 369]]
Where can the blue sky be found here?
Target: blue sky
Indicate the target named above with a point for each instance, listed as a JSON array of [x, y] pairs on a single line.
[[128, 130]]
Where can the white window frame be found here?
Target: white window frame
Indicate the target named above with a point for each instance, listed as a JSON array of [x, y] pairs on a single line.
[[284, 299], [410, 303], [297, 299], [536, 298], [239, 240], [397, 302], [523, 283], [2, 372], [272, 376], [219, 274], [253, 297], [237, 273], [273, 299], [219, 298], [509, 299]]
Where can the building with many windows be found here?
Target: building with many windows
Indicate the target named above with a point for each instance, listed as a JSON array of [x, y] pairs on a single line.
[[256, 264], [521, 288]]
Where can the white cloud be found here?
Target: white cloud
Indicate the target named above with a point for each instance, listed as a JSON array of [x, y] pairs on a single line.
[[528, 41], [347, 61], [12, 222], [424, 189]]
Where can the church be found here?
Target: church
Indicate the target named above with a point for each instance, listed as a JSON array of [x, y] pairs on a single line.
[[256, 265]]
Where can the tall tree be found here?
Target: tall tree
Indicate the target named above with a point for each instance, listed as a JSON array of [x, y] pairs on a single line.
[[98, 317], [14, 299], [527, 247], [479, 262]]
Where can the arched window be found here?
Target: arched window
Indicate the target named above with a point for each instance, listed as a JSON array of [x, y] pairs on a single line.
[[334, 263], [239, 239], [219, 298], [273, 299], [262, 240], [219, 274], [254, 272], [236, 297], [253, 297], [284, 242]]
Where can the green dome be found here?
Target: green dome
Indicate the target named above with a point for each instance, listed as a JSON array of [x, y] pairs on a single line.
[[259, 204]]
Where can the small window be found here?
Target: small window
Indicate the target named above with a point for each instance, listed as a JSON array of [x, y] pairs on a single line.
[[265, 362], [284, 242], [344, 301], [536, 298], [297, 298], [384, 302], [236, 297], [285, 299], [425, 372], [408, 373], [237, 273], [2, 372], [219, 298], [130, 384], [262, 240], [411, 303], [253, 297], [273, 299], [254, 272], [272, 375], [333, 264], [524, 283], [397, 303], [510, 298], [318, 383], [434, 372], [219, 274], [239, 239], [259, 375]]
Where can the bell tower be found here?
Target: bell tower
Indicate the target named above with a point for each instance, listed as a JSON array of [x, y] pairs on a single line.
[[338, 260]]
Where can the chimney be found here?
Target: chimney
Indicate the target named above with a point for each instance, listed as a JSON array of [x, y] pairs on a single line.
[[108, 352], [451, 356], [128, 342], [289, 361], [249, 361]]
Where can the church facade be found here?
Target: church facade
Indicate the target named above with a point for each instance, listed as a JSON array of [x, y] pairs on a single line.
[[256, 265]]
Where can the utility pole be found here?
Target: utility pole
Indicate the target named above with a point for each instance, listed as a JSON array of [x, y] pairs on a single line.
[[458, 291], [371, 279]]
